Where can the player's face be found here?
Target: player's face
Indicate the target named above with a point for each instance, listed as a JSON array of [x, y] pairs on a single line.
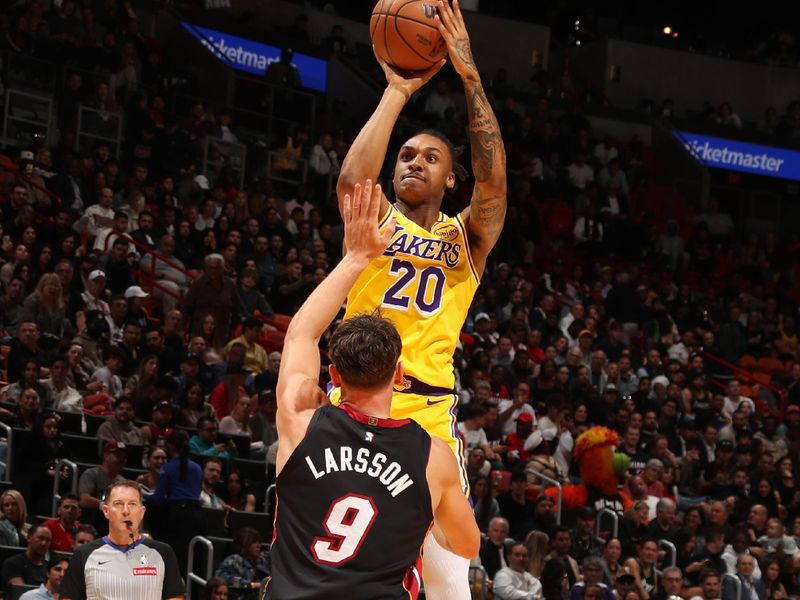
[[423, 170]]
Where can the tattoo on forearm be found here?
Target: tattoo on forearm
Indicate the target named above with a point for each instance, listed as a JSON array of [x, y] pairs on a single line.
[[488, 152], [464, 51]]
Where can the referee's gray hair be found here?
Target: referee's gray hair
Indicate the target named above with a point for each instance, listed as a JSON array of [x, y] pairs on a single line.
[[213, 258]]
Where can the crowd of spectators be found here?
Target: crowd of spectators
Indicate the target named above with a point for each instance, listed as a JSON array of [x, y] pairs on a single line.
[[608, 301]]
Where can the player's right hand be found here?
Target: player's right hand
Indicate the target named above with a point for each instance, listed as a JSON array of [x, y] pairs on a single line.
[[362, 237], [408, 83]]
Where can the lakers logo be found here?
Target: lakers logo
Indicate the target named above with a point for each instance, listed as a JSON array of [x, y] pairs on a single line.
[[403, 385], [445, 231]]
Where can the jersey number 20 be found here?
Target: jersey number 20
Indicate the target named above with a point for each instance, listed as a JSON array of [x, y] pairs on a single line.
[[429, 287], [347, 524]]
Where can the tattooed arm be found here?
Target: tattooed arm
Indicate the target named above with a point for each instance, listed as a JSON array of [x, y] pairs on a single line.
[[485, 216]]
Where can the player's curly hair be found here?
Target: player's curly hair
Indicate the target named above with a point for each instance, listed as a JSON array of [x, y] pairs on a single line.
[[365, 349]]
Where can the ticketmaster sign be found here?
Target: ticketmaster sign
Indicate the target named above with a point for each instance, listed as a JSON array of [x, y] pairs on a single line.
[[742, 156], [254, 57]]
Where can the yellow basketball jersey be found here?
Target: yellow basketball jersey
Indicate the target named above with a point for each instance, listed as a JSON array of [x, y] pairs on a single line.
[[424, 282]]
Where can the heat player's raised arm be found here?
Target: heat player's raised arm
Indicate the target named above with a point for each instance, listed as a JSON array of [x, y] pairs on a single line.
[[298, 391], [365, 157], [456, 528]]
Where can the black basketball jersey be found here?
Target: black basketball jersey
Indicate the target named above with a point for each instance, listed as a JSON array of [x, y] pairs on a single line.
[[353, 510]]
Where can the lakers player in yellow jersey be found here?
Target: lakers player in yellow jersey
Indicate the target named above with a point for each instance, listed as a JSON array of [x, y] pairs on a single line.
[[427, 277]]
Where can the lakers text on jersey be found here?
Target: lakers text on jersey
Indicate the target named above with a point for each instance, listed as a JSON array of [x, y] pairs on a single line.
[[424, 282]]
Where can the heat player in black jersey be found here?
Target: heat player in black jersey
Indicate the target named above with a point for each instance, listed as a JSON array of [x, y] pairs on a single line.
[[357, 491]]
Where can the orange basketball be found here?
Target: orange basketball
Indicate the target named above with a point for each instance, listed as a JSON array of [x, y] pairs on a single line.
[[405, 35]]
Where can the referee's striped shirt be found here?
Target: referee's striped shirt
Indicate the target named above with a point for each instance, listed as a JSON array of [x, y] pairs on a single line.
[[101, 570]]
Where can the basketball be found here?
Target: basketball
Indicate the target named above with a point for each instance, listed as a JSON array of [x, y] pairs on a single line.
[[405, 35]]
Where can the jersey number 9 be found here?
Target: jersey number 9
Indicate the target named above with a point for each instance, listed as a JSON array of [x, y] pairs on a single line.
[[347, 524]]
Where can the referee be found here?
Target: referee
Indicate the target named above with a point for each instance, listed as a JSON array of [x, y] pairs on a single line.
[[124, 564]]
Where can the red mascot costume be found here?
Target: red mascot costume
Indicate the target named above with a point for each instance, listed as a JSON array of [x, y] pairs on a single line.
[[600, 472]]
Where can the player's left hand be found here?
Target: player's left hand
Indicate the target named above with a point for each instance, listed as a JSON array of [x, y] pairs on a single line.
[[362, 237], [454, 31]]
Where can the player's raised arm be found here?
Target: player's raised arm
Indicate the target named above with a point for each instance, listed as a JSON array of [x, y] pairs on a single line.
[[487, 210], [365, 157], [298, 390]]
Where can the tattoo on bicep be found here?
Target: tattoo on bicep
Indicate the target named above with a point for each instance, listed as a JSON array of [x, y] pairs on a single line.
[[489, 212], [488, 152]]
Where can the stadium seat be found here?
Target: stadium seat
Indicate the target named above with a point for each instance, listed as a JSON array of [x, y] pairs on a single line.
[[21, 440], [37, 519], [771, 366], [242, 443], [747, 391], [132, 474], [83, 448], [760, 377], [136, 454], [93, 423], [749, 362], [257, 487], [214, 518], [9, 551], [84, 466], [70, 422], [282, 322], [259, 521], [250, 469], [223, 546]]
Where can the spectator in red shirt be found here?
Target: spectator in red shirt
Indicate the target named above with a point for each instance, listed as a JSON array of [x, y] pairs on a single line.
[[160, 429], [534, 346], [226, 394], [64, 526], [521, 442]]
